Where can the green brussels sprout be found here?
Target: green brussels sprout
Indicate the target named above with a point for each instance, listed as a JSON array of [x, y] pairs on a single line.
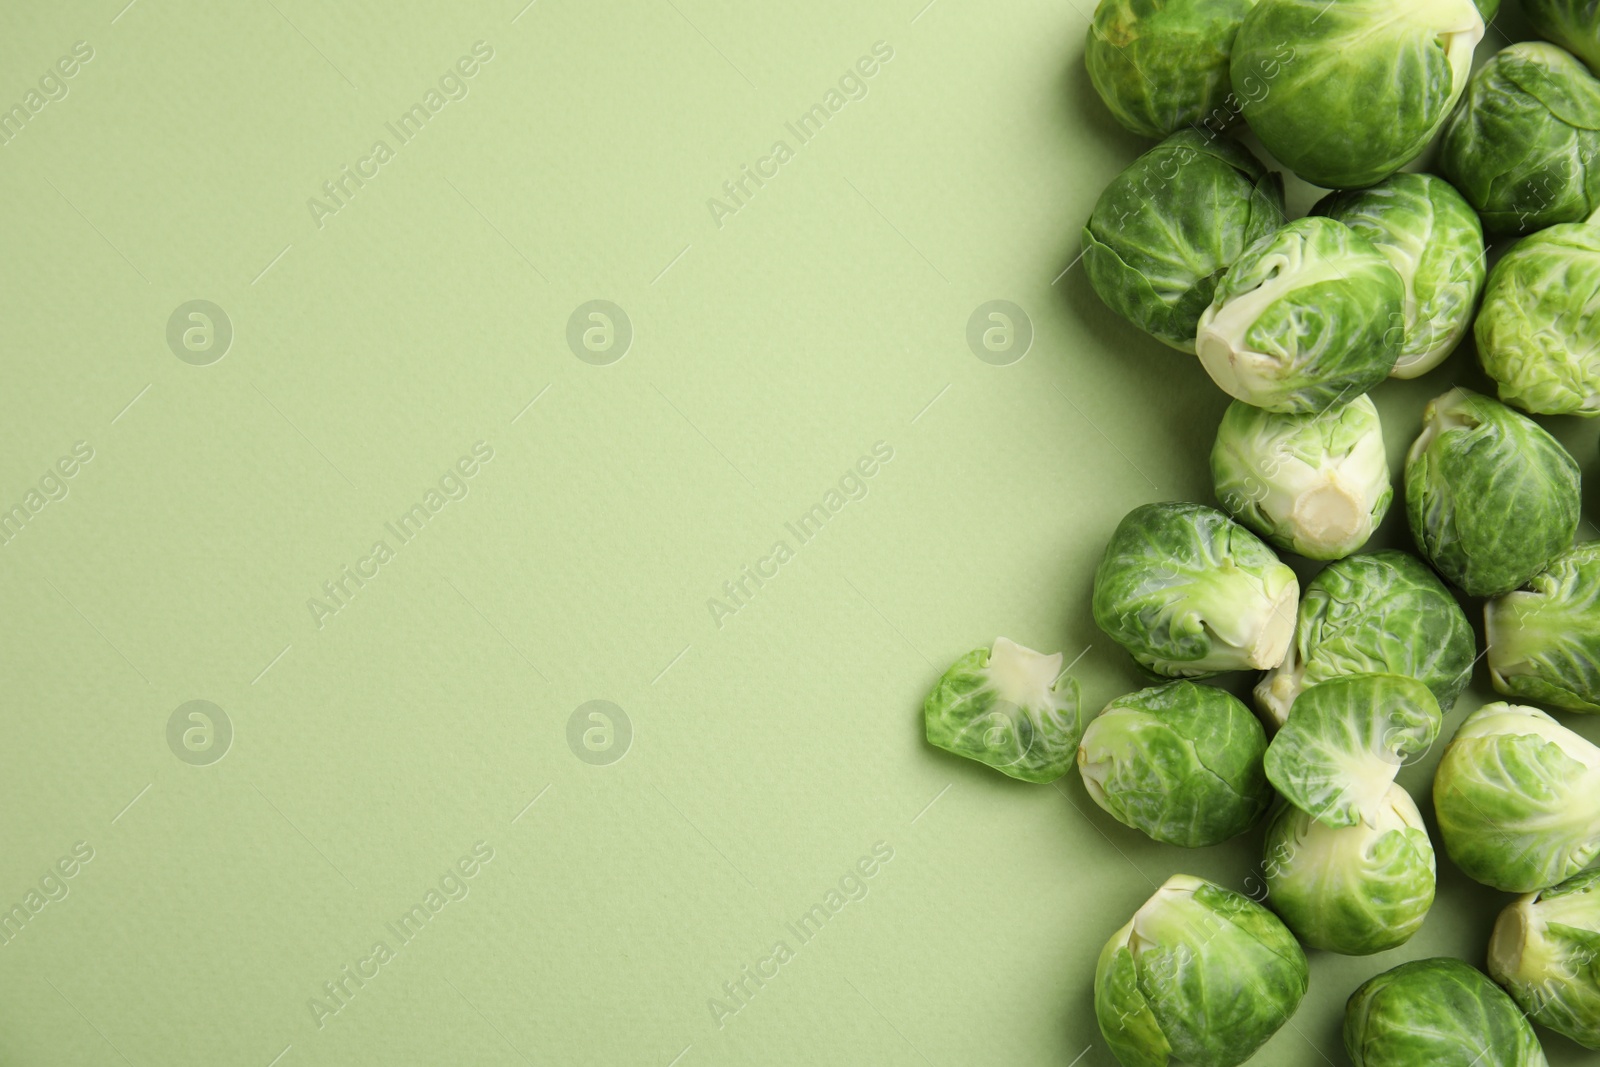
[[1308, 317], [1353, 889], [1162, 65], [1524, 145], [1433, 239], [1545, 950], [1345, 741], [1201, 975], [1180, 762], [1544, 641], [1490, 496], [1009, 707], [1189, 592], [1439, 1012], [1539, 329], [1383, 612], [1488, 9], [1346, 92], [1572, 24], [1166, 228], [1517, 796], [1313, 484]]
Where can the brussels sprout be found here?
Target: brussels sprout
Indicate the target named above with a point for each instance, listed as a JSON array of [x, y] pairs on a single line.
[[1517, 796], [1162, 65], [1313, 484], [1544, 641], [1524, 147], [1439, 1012], [1355, 889], [1180, 762], [1189, 592], [1491, 497], [1539, 330], [1572, 24], [1308, 317], [1380, 613], [1488, 9], [1166, 228], [1546, 952], [1010, 707], [1346, 92], [1433, 239], [1346, 739], [1201, 975]]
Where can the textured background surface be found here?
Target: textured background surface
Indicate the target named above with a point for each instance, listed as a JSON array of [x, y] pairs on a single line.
[[376, 344]]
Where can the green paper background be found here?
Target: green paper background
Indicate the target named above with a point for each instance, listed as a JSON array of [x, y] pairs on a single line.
[[769, 753]]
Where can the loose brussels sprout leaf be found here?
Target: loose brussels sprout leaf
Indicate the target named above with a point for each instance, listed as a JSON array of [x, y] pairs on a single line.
[[1308, 317], [1201, 975], [1355, 889], [1524, 147], [1189, 592], [1010, 707], [1346, 92], [1383, 612], [1345, 741], [1439, 1012], [1491, 497], [1166, 228], [1517, 796], [1546, 952], [1434, 241], [1313, 484], [1539, 329], [1180, 762], [1544, 641], [1572, 24], [1162, 65]]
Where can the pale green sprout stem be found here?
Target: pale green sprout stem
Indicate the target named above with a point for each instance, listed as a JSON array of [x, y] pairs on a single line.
[[1543, 641], [1317, 485], [1546, 952]]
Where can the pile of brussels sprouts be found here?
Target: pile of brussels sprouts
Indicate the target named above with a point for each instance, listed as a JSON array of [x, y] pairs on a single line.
[[1297, 320]]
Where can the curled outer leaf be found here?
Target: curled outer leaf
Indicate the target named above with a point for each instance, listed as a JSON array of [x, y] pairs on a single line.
[[1345, 741], [1009, 707]]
